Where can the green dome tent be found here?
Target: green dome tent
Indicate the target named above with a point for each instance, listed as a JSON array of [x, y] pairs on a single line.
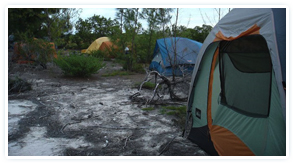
[[237, 101]]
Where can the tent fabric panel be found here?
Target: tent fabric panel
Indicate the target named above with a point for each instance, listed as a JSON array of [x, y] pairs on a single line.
[[156, 66], [107, 48], [157, 63], [280, 28], [96, 44], [228, 144], [268, 31], [200, 88], [250, 130], [186, 50], [252, 30], [177, 71], [276, 137], [242, 21], [158, 59], [164, 46], [210, 89], [201, 137], [107, 45], [264, 136], [280, 36], [216, 91]]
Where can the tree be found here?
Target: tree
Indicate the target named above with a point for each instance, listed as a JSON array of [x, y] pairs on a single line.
[[83, 35], [173, 60], [164, 17], [101, 26], [94, 27], [119, 38], [120, 17], [49, 23], [26, 20], [151, 16], [58, 21], [202, 32], [220, 12], [131, 27]]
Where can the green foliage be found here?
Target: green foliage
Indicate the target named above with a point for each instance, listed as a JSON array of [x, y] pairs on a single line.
[[71, 44], [197, 33], [149, 85], [138, 68], [146, 85], [37, 50], [18, 85], [178, 111], [100, 54], [25, 20], [125, 30], [80, 65], [127, 62], [175, 110], [90, 29], [41, 22]]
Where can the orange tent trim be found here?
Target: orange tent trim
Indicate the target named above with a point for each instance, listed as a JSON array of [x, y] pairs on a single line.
[[253, 30], [228, 144]]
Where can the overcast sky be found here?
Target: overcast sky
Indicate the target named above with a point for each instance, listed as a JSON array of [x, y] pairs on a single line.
[[189, 17]]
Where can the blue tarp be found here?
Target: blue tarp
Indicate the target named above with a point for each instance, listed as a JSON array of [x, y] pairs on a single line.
[[186, 54]]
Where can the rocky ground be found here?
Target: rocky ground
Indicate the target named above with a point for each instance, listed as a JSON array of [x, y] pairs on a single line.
[[66, 116]]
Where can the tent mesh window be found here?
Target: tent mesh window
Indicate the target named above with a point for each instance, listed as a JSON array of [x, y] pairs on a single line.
[[246, 70]]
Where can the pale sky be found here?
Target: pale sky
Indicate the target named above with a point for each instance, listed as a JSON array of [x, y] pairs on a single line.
[[188, 17]]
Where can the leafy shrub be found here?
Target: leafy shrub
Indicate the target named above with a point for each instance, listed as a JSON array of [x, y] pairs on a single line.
[[36, 50], [100, 54], [80, 65], [138, 68], [97, 53], [18, 85]]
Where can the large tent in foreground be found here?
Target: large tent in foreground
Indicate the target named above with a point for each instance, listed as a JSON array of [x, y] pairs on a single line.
[[175, 51], [237, 102]]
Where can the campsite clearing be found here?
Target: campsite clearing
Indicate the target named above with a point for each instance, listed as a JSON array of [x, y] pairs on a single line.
[[65, 116]]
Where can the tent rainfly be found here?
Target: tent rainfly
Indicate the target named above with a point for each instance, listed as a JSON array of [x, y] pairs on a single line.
[[166, 49], [237, 101], [101, 43]]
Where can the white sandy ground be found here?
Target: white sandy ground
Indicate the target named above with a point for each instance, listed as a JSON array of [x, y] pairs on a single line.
[[101, 109], [116, 109]]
